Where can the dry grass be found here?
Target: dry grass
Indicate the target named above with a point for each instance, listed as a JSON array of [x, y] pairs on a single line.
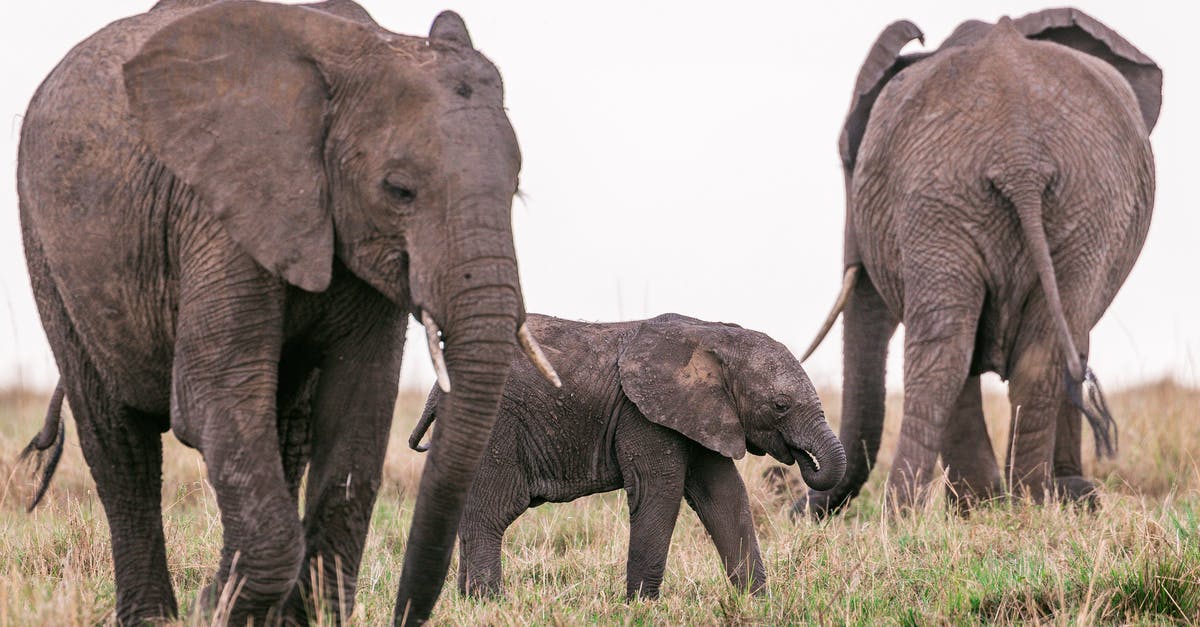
[[1135, 561]]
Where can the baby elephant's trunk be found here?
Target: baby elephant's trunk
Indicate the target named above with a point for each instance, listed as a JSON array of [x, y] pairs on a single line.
[[819, 454]]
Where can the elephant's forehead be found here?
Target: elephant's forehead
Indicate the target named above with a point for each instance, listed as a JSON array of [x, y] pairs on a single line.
[[446, 60]]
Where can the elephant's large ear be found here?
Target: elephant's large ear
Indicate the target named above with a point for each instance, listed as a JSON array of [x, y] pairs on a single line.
[[671, 371], [1078, 30], [882, 63], [231, 100]]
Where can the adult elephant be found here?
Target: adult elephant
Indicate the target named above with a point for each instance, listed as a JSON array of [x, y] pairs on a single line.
[[999, 190], [229, 210]]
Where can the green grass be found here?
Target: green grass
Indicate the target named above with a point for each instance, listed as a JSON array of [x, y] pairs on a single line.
[[1134, 561]]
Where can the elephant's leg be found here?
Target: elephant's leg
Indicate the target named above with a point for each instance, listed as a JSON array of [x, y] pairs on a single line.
[[941, 317], [1069, 480], [227, 351], [123, 449], [497, 498], [967, 452], [297, 388], [714, 489], [352, 414], [654, 481], [868, 326], [1036, 391]]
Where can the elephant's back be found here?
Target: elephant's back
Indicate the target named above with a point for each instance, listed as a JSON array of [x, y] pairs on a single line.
[[560, 438]]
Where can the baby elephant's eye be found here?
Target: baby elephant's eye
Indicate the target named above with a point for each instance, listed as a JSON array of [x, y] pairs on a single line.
[[399, 190], [782, 403]]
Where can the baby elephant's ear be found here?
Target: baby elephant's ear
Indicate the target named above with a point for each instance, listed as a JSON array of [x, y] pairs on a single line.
[[671, 371]]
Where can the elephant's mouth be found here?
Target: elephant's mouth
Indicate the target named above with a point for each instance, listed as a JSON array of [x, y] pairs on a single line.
[[808, 463]]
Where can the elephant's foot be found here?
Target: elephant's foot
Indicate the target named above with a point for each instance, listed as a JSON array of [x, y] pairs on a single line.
[[1077, 490], [963, 499], [817, 505]]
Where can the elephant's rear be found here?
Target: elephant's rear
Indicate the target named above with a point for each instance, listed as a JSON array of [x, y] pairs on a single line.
[[80, 169], [966, 125]]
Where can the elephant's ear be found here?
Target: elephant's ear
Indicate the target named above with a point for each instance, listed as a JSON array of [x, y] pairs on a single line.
[[231, 100], [882, 63], [1078, 30], [671, 370]]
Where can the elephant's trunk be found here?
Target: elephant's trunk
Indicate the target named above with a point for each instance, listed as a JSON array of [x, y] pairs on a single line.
[[483, 310], [819, 454]]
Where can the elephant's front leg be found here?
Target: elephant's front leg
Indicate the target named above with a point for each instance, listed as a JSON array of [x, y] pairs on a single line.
[[654, 469], [351, 415], [223, 402], [714, 489]]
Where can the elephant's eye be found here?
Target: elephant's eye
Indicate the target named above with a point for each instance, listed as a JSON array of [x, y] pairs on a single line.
[[782, 403], [400, 191]]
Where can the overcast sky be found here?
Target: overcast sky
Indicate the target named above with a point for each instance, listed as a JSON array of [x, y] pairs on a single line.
[[681, 156]]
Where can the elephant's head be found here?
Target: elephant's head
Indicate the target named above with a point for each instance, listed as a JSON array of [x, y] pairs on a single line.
[[309, 136], [730, 390], [312, 136]]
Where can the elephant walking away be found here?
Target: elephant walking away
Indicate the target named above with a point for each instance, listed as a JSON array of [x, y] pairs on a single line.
[[229, 210], [999, 190], [659, 407]]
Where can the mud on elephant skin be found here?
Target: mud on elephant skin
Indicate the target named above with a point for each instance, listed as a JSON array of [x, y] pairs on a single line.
[[659, 407], [998, 192], [229, 209]]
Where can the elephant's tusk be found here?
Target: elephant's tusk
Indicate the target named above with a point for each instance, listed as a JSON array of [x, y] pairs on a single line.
[[536, 356], [435, 351], [843, 296]]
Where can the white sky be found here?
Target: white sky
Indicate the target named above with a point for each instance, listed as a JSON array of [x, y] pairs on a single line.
[[681, 156]]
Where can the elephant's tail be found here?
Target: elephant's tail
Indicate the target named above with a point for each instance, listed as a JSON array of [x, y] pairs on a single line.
[[47, 446], [1082, 386], [423, 423]]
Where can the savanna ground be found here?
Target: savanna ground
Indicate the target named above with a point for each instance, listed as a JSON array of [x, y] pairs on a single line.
[[1137, 560]]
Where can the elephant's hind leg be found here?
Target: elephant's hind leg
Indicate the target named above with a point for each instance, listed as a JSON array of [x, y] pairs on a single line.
[[123, 448], [1037, 394], [351, 416], [967, 453], [497, 498], [942, 309]]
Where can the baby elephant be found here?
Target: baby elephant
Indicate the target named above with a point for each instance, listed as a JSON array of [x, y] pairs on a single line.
[[659, 407]]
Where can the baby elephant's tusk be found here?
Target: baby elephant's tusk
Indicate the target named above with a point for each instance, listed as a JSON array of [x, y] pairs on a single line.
[[536, 356], [435, 351]]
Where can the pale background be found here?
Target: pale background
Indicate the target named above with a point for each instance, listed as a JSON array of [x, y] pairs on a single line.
[[681, 156]]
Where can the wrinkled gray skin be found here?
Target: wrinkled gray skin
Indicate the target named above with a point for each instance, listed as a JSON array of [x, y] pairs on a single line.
[[999, 190], [659, 407], [228, 213]]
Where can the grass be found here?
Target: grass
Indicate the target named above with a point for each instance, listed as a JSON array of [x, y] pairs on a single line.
[[1135, 561]]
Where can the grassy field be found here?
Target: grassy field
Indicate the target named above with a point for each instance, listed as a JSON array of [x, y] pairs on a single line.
[[1137, 560]]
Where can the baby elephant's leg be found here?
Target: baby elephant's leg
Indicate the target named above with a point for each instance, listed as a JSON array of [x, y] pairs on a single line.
[[497, 498], [714, 489], [655, 489]]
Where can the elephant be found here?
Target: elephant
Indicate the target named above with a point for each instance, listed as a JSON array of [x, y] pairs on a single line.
[[998, 192], [229, 211], [659, 407]]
